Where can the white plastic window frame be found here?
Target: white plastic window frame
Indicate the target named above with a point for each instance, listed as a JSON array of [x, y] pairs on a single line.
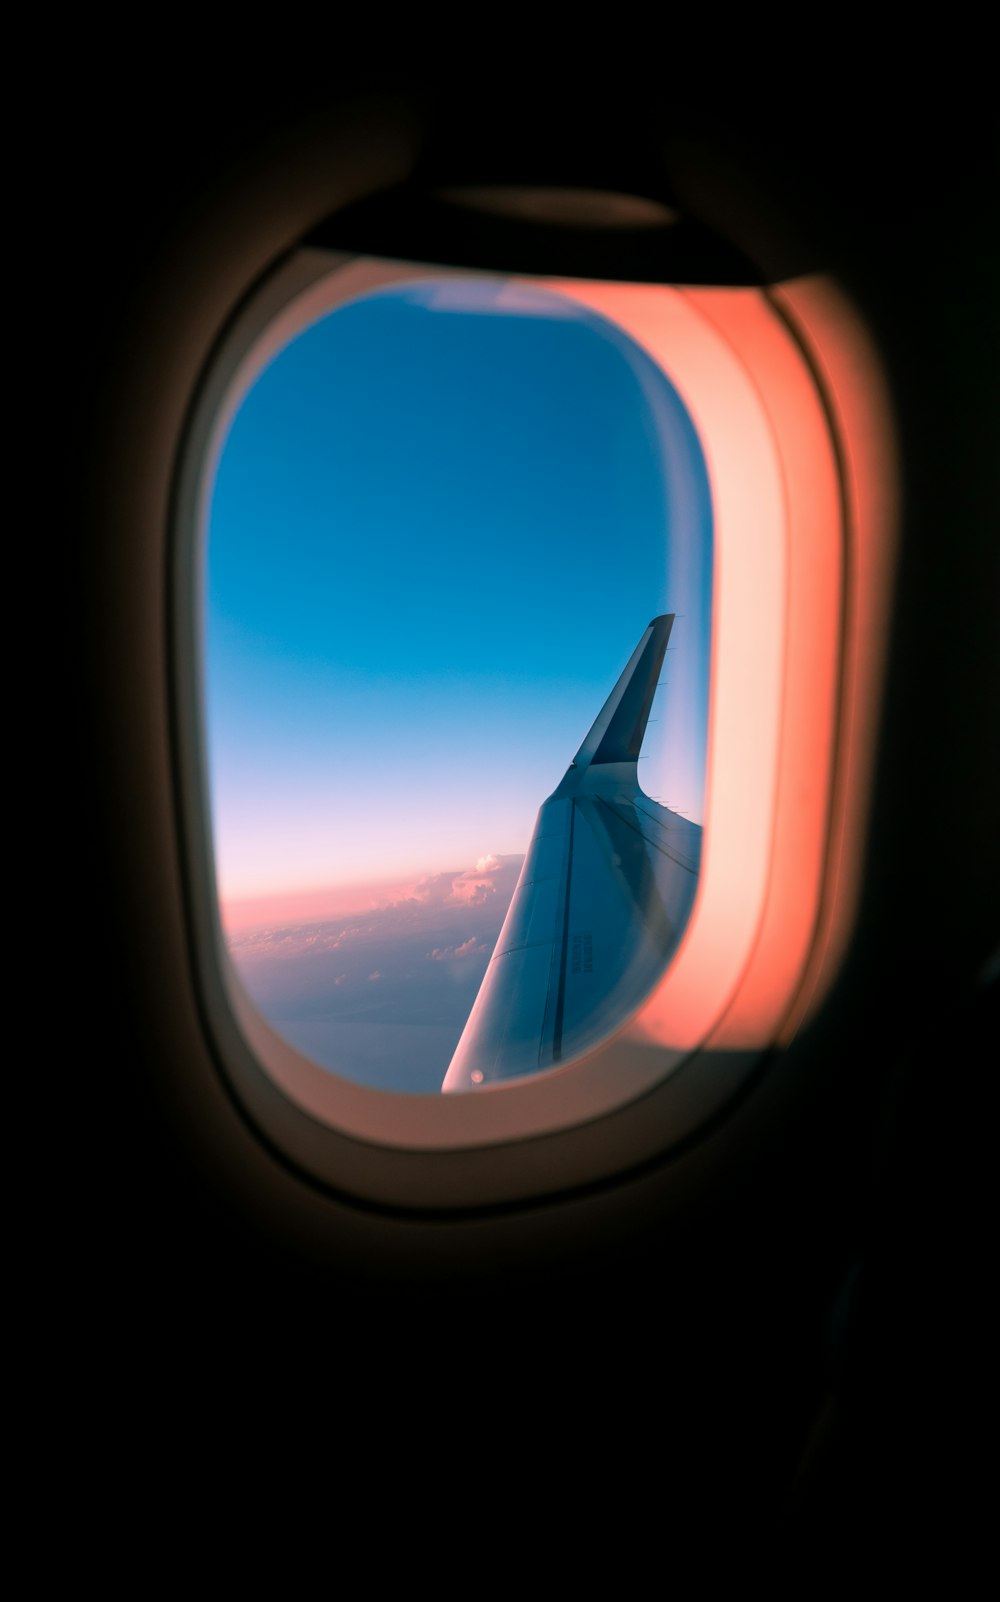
[[788, 401]]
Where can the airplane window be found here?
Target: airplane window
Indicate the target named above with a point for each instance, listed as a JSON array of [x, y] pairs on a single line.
[[526, 640], [457, 605]]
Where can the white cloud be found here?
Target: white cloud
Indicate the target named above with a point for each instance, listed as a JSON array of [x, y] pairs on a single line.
[[470, 887], [472, 947]]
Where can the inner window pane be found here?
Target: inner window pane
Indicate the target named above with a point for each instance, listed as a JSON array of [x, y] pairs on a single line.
[[443, 517]]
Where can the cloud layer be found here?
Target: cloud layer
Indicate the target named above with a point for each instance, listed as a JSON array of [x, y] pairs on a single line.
[[382, 998]]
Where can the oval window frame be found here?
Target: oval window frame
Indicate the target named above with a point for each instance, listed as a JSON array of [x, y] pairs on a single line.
[[643, 1091]]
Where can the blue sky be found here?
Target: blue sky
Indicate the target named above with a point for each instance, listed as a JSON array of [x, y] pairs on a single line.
[[443, 516]]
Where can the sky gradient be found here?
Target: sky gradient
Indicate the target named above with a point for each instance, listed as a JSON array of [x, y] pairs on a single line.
[[440, 524]]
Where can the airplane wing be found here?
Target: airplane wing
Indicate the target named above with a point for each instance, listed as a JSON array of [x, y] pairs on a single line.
[[604, 894]]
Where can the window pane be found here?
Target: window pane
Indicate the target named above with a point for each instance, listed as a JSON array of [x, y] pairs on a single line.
[[443, 517]]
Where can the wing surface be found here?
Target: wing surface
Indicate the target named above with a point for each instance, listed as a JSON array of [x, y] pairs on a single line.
[[604, 894]]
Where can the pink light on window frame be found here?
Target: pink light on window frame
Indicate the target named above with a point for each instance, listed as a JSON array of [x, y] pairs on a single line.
[[803, 557]]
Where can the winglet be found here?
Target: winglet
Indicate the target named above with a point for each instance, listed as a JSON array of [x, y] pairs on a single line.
[[618, 730]]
